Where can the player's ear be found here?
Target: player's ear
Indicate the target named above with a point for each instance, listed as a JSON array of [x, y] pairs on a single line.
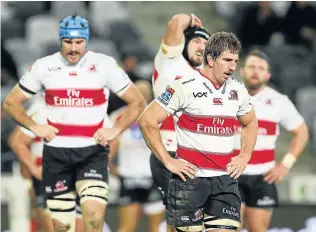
[[210, 61], [268, 76]]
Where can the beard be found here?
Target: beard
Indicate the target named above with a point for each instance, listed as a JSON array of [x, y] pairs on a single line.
[[253, 86], [195, 63]]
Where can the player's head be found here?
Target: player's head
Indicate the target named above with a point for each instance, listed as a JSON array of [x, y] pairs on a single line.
[[221, 55], [74, 37], [195, 40], [145, 88], [255, 71]]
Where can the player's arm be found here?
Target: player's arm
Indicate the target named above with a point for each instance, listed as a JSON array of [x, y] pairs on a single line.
[[293, 122], [135, 106], [300, 137], [120, 84], [148, 122], [13, 105], [20, 145], [29, 85], [249, 133], [171, 100], [174, 35]]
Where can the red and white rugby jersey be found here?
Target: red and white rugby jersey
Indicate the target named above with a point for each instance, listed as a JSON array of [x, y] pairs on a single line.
[[205, 120], [165, 71], [272, 108], [133, 153], [76, 95]]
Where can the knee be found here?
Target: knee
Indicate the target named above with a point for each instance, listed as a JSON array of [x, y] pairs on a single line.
[[96, 223]]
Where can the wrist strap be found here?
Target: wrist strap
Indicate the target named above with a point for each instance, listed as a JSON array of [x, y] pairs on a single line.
[[192, 20], [288, 160]]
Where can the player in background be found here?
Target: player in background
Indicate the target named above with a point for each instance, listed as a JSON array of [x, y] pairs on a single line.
[[76, 148], [204, 106], [29, 149], [180, 52], [138, 192], [257, 183]]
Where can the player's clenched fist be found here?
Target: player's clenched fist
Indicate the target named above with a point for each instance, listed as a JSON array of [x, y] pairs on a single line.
[[46, 132]]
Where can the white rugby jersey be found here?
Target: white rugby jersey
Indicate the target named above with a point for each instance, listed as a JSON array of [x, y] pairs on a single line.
[[76, 95], [165, 71], [205, 119], [272, 108], [133, 153]]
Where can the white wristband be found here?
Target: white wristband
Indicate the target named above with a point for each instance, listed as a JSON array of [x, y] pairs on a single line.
[[288, 160]]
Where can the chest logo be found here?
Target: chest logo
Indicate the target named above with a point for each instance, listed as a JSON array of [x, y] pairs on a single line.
[[233, 95], [199, 94], [217, 101]]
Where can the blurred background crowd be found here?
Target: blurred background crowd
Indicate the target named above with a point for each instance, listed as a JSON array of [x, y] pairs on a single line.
[[131, 32]]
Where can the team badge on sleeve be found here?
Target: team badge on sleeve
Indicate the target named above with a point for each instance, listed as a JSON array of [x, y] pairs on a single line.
[[165, 97]]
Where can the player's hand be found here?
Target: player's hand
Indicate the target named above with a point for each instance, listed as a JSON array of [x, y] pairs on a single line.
[[181, 168], [46, 132], [103, 135], [196, 21], [36, 171], [237, 165], [276, 174]]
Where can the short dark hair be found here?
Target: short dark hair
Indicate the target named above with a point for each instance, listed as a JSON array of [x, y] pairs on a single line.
[[258, 53], [220, 42]]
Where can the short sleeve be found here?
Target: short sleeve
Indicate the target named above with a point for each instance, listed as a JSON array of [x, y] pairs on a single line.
[[167, 55], [30, 82], [244, 101], [290, 117], [173, 98], [117, 80]]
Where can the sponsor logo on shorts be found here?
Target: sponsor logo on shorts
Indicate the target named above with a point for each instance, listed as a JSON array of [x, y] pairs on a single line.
[[48, 189], [265, 201], [231, 211], [60, 186], [93, 173], [185, 218], [198, 215]]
